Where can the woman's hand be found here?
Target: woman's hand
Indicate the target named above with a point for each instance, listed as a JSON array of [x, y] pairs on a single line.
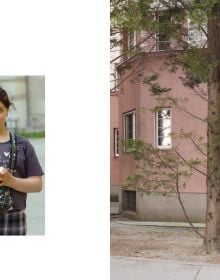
[[30, 184], [6, 177]]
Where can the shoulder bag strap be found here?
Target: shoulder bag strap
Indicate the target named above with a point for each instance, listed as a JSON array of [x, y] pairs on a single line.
[[13, 153]]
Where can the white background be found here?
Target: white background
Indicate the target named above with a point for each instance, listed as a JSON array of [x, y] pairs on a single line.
[[67, 41]]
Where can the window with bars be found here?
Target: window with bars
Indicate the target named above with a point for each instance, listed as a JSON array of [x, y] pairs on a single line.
[[129, 202], [116, 142], [163, 128], [129, 129]]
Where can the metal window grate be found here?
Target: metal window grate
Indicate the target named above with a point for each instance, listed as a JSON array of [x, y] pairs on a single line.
[[130, 200]]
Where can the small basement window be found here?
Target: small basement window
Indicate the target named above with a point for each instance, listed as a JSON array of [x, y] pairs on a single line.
[[129, 200]]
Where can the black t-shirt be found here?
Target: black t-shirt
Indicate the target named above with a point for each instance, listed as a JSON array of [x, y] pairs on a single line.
[[27, 165]]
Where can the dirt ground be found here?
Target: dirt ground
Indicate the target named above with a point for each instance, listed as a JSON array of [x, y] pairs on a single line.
[[158, 242]]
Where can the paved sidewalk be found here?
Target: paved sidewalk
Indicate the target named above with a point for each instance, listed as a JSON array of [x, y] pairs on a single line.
[[127, 268]]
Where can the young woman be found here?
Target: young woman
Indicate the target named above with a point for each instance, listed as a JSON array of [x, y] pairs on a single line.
[[24, 178]]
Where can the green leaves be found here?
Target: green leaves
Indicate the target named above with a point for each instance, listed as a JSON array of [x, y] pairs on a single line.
[[154, 85], [200, 11], [158, 169], [197, 65], [129, 14]]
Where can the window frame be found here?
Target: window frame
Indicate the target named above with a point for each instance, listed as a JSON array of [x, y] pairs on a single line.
[[132, 47], [116, 142], [129, 200], [162, 147], [133, 113], [158, 47]]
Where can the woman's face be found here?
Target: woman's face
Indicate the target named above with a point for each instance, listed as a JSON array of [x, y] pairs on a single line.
[[3, 114]]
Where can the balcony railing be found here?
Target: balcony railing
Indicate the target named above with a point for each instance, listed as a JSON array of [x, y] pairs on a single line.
[[163, 45]]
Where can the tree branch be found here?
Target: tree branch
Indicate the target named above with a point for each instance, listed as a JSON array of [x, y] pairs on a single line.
[[183, 208], [183, 109], [134, 47], [197, 146], [200, 95], [122, 81], [190, 164]]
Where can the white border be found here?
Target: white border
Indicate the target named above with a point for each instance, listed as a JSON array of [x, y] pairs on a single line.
[[56, 39]]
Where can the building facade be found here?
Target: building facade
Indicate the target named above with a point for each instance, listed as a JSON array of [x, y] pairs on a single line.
[[135, 115]]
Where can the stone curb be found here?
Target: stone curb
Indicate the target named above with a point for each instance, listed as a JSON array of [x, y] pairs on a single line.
[[158, 260], [159, 224]]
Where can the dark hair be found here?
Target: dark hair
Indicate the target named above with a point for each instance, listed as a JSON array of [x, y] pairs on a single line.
[[4, 99]]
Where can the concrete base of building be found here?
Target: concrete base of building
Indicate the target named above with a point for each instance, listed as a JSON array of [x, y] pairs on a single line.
[[165, 208], [114, 193]]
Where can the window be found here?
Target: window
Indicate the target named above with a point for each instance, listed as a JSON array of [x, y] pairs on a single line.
[[163, 35], [116, 142], [196, 36], [131, 40], [129, 129], [131, 43], [129, 200], [163, 128]]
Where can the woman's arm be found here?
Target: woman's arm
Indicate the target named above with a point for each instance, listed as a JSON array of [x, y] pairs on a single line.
[[26, 185]]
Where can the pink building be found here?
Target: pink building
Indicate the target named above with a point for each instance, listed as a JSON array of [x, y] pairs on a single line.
[[135, 115]]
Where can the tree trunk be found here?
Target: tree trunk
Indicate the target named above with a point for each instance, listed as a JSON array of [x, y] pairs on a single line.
[[212, 235]]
